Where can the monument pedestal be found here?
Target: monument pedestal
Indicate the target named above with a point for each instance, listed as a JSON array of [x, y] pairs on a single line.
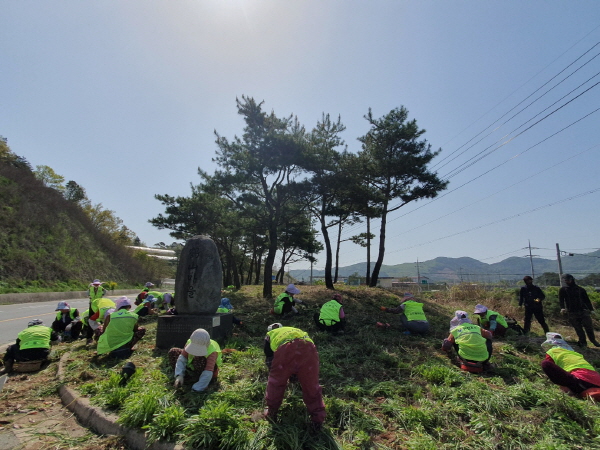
[[174, 331]]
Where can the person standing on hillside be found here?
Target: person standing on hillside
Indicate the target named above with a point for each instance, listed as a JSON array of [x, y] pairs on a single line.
[[95, 292], [491, 320], [290, 351], [331, 317], [532, 297], [574, 302], [67, 321], [33, 344], [284, 303], [411, 314], [568, 368]]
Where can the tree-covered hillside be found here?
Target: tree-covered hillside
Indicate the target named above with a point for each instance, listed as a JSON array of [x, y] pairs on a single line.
[[49, 241]]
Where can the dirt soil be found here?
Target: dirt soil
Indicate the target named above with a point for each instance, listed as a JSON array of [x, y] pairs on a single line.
[[32, 417]]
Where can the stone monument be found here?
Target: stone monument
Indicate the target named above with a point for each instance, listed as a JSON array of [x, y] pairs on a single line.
[[197, 296]]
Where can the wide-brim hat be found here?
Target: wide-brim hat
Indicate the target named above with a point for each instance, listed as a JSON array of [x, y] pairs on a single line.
[[122, 301], [480, 309], [291, 289], [62, 305], [199, 342], [96, 283]]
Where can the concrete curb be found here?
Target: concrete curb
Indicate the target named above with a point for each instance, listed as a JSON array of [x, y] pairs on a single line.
[[31, 297], [101, 422]]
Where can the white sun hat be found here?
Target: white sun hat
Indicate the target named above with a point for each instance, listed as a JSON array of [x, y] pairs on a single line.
[[199, 342]]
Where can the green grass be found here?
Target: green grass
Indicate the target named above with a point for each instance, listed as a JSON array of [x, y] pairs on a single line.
[[382, 389]]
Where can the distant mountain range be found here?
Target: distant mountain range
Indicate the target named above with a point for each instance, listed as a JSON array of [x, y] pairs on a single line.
[[468, 269]]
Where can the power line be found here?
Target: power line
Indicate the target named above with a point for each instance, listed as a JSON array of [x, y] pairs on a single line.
[[503, 220], [569, 65]]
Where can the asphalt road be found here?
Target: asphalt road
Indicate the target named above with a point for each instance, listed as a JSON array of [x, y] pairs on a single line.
[[14, 318]]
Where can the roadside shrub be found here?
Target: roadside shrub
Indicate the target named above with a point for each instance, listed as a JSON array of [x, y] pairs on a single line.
[[216, 426], [166, 424]]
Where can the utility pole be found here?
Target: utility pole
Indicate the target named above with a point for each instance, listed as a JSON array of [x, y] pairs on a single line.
[[418, 273], [560, 272], [311, 271], [531, 258]]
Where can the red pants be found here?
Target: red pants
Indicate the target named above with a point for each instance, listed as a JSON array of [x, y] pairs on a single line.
[[300, 358]]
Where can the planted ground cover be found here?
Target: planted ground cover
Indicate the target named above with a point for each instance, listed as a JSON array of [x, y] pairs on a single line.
[[382, 389]]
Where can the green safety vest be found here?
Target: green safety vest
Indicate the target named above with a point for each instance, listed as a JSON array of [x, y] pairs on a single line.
[[118, 332], [212, 347], [279, 302], [103, 305], [568, 360], [499, 318], [283, 335], [71, 313], [330, 313], [223, 310], [414, 310], [96, 295], [471, 344], [37, 336]]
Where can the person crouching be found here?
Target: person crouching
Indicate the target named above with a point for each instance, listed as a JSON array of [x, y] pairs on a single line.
[[200, 357]]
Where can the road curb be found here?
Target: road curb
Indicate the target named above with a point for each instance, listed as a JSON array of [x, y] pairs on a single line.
[[32, 297], [101, 422]]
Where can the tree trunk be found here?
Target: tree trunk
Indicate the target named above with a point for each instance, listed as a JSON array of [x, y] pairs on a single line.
[[368, 277], [381, 254], [270, 261], [328, 255], [337, 251]]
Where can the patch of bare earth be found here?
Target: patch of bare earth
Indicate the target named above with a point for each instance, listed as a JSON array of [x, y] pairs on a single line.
[[32, 417]]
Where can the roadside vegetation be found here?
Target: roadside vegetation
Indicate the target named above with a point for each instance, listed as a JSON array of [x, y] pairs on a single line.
[[382, 389], [56, 240]]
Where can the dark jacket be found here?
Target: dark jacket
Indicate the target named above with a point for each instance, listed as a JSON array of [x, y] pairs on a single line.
[[574, 298], [529, 295]]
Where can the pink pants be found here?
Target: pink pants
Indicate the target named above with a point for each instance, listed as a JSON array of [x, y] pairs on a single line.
[[300, 358]]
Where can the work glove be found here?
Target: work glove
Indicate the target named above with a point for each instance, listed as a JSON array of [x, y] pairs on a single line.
[[203, 381], [180, 370], [178, 381], [383, 308], [563, 311], [68, 327]]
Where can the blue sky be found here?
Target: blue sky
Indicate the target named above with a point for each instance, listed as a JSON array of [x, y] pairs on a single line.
[[124, 97]]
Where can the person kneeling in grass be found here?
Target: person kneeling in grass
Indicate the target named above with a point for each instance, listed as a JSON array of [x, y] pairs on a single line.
[[491, 320], [33, 344], [472, 343], [411, 314], [120, 331], [290, 351], [201, 357], [569, 369], [331, 317]]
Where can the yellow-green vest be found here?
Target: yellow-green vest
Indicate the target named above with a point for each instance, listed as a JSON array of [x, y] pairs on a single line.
[[330, 313], [96, 295], [279, 302], [118, 332], [103, 305], [71, 314], [471, 344], [499, 318], [283, 335], [568, 360], [414, 311], [223, 310], [37, 336], [212, 347]]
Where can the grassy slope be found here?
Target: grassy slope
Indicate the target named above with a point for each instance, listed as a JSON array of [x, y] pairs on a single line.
[[382, 389], [48, 243]]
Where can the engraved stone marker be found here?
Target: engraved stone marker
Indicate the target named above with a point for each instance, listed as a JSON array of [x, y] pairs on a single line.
[[199, 277], [197, 296]]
